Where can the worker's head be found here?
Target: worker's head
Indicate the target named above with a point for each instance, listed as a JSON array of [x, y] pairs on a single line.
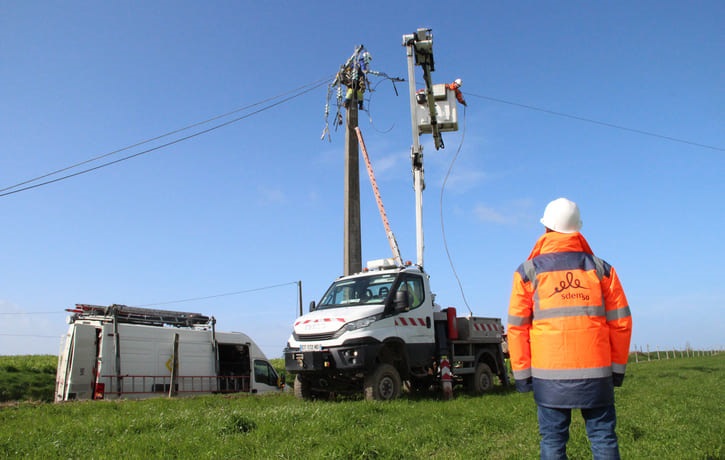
[[458, 82], [562, 215]]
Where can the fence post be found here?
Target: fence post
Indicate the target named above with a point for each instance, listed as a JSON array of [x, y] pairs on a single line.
[[174, 367]]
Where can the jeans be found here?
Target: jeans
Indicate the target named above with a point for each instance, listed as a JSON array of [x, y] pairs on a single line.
[[600, 423]]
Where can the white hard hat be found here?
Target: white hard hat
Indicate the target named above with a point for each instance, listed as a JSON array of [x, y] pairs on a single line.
[[458, 81], [562, 215]]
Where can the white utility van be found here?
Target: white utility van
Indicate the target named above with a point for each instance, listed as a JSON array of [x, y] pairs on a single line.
[[133, 353]]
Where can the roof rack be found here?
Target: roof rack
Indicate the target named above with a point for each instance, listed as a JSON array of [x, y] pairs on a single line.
[[148, 316]]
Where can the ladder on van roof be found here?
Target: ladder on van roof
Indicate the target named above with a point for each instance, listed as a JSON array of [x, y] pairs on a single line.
[[147, 316]]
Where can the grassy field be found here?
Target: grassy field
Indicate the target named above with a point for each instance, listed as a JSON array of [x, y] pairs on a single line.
[[668, 409], [27, 378]]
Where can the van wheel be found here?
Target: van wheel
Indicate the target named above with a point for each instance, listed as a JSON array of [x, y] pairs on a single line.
[[482, 379], [302, 388], [383, 385]]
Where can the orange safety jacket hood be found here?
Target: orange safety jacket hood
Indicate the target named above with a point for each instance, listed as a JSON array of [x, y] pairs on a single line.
[[569, 323]]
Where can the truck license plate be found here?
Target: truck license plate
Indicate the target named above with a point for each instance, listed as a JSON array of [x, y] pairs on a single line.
[[310, 347]]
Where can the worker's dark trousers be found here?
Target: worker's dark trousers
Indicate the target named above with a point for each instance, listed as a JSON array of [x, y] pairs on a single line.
[[600, 424]]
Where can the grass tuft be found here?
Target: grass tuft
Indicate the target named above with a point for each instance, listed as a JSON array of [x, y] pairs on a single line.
[[237, 423]]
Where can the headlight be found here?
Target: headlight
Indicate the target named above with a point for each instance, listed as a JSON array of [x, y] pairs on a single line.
[[360, 323], [357, 324]]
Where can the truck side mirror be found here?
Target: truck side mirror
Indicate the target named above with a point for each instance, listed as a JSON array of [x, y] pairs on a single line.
[[313, 307], [402, 301]]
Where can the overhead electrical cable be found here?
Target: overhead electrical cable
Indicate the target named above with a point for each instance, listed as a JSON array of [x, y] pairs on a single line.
[[443, 228], [217, 295], [297, 92], [32, 313], [597, 122], [30, 335], [191, 299]]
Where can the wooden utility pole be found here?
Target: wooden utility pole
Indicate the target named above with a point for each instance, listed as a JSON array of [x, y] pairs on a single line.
[[352, 258]]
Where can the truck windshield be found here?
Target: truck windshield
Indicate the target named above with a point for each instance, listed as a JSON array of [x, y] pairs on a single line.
[[358, 291]]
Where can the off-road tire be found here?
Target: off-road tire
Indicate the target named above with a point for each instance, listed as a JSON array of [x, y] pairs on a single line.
[[302, 388], [482, 380], [383, 384]]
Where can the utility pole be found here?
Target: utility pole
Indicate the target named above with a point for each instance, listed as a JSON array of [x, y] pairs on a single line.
[[353, 75], [352, 258]]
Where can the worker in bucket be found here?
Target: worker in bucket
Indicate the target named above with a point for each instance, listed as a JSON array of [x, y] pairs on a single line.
[[569, 329], [456, 88]]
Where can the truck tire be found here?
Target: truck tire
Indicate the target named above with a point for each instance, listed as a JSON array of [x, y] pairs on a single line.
[[482, 379], [302, 388], [383, 385]]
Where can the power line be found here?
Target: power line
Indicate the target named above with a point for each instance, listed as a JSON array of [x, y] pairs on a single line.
[[191, 299], [217, 295], [33, 313], [443, 227], [597, 122], [299, 92], [30, 335]]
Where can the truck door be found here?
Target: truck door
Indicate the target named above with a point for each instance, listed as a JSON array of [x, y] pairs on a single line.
[[81, 377], [415, 326]]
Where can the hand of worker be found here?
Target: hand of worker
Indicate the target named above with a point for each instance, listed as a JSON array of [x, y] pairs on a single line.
[[617, 379], [524, 386]]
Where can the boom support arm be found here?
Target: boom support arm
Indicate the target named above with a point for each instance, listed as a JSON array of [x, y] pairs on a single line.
[[419, 51]]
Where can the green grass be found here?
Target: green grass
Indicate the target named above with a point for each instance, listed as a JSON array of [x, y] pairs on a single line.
[[668, 409], [27, 377]]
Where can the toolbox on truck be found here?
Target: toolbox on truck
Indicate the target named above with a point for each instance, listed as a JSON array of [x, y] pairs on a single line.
[[479, 328]]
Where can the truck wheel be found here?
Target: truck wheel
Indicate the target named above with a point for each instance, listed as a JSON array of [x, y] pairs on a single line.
[[482, 379], [383, 384], [302, 388]]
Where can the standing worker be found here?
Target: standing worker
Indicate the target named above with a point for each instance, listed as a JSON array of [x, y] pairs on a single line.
[[569, 329]]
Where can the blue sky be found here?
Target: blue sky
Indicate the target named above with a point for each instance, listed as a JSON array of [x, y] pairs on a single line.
[[254, 206]]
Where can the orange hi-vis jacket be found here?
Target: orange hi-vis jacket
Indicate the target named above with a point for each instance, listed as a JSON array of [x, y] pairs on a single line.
[[457, 90], [569, 324]]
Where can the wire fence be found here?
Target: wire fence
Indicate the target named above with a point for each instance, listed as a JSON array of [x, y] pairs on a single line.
[[646, 354]]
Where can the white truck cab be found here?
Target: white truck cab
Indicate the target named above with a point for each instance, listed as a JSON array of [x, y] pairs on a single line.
[[375, 329], [377, 321]]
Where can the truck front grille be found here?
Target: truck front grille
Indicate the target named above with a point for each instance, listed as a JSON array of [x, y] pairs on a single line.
[[314, 337]]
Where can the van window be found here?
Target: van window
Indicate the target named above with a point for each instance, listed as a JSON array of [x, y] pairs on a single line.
[[264, 373]]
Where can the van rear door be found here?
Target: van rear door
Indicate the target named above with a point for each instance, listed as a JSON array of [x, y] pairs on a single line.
[[82, 357]]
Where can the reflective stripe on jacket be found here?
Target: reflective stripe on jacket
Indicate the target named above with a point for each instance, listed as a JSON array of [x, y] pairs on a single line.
[[569, 323]]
